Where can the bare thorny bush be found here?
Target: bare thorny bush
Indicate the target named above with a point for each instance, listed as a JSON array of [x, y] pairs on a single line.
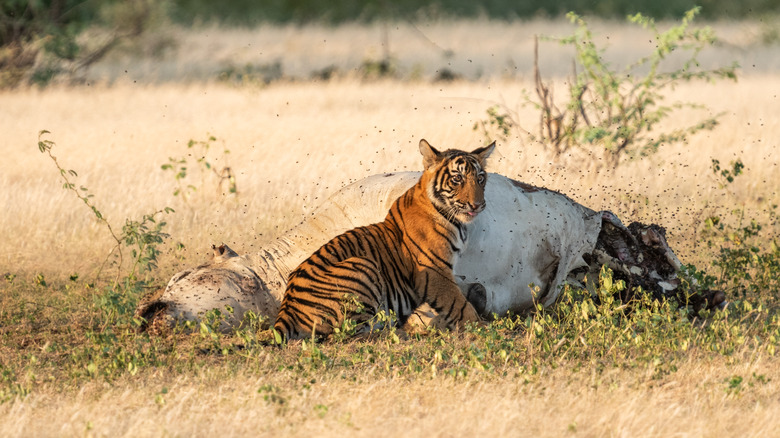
[[609, 114]]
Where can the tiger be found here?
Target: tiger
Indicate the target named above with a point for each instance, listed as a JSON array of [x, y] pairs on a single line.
[[395, 265]]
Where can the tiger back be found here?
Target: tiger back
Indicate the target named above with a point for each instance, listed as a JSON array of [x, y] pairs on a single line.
[[398, 264]]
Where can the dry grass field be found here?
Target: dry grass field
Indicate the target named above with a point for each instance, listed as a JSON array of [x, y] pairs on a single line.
[[291, 144], [694, 401]]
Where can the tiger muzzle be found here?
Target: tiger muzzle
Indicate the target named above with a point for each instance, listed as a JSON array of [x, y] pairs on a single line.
[[472, 209]]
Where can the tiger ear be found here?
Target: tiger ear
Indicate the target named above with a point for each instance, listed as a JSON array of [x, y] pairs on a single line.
[[484, 152], [429, 153]]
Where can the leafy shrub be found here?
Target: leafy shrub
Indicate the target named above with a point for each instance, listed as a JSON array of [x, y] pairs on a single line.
[[611, 114], [746, 254], [141, 237], [251, 74]]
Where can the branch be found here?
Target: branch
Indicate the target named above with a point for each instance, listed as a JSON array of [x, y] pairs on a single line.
[[45, 146]]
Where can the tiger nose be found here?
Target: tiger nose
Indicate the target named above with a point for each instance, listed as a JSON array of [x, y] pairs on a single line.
[[477, 206]]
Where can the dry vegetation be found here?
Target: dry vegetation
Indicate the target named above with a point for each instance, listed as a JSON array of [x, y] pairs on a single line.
[[291, 145], [694, 401]]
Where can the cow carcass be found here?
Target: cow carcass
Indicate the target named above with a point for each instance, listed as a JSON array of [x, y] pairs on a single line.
[[523, 248]]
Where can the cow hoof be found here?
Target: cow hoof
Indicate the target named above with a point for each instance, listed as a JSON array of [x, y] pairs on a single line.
[[477, 296], [716, 299]]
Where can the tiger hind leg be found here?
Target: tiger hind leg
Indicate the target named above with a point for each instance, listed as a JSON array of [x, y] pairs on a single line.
[[359, 290], [345, 291]]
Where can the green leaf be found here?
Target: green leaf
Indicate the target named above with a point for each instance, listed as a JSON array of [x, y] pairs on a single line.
[[278, 340]]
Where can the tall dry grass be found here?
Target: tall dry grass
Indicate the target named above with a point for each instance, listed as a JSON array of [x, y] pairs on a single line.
[[292, 144], [693, 401]]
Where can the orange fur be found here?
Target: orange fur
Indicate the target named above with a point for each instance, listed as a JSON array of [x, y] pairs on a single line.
[[398, 264]]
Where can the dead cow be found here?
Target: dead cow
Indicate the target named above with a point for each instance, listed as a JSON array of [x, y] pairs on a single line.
[[527, 239]]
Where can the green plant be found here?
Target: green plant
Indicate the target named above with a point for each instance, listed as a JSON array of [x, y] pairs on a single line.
[[748, 259], [379, 69], [141, 237], [271, 394], [198, 158], [747, 255], [350, 305], [726, 176], [209, 329], [611, 114]]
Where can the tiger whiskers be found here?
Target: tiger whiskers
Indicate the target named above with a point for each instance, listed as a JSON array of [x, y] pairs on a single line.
[[451, 212]]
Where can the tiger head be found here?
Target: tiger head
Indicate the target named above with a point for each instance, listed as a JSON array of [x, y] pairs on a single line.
[[456, 180]]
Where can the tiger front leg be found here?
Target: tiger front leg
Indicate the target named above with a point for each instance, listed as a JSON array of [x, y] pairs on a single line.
[[442, 293], [425, 316]]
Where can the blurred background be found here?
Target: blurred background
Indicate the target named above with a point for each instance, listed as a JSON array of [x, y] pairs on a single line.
[[247, 12], [263, 41]]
